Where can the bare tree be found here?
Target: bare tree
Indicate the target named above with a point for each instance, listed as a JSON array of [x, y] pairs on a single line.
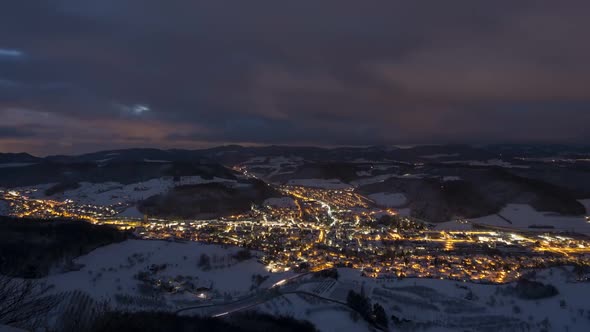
[[24, 302], [80, 312]]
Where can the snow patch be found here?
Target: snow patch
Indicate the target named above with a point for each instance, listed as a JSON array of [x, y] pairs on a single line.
[[280, 202], [451, 178], [385, 177], [489, 162], [111, 270], [110, 193], [156, 161], [389, 199], [4, 208], [319, 183], [131, 212], [12, 165], [440, 155], [522, 216], [586, 203]]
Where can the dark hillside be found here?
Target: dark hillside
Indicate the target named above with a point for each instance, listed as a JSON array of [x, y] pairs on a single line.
[[164, 322], [30, 248], [123, 172], [207, 200], [480, 192]]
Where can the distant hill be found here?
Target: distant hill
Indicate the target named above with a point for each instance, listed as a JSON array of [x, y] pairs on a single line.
[[132, 155], [10, 158], [548, 177], [478, 192], [207, 200]]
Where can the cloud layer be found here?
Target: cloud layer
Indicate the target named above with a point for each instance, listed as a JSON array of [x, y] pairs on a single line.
[[78, 75]]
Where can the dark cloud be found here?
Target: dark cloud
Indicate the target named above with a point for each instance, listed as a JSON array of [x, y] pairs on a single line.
[[11, 132], [97, 74]]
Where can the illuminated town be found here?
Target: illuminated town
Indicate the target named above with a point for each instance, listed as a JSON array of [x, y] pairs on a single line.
[[317, 229]]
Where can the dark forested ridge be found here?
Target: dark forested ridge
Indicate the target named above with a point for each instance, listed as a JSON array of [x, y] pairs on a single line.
[[30, 247]]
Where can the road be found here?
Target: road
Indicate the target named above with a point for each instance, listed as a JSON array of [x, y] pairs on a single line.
[[279, 288]]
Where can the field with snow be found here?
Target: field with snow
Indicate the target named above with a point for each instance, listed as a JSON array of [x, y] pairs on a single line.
[[268, 167], [439, 305], [522, 216], [384, 177], [327, 317], [319, 183], [4, 208], [111, 273], [490, 162], [389, 199], [11, 165], [110, 193], [451, 178], [483, 307], [280, 202]]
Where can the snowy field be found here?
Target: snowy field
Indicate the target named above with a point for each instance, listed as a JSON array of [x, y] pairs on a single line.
[[522, 216], [319, 183], [273, 165], [110, 193], [454, 226], [384, 177], [483, 307], [490, 162], [439, 305], [280, 202], [325, 316], [440, 155], [371, 180], [6, 328], [12, 165], [111, 271], [131, 212], [389, 199], [451, 178], [4, 208]]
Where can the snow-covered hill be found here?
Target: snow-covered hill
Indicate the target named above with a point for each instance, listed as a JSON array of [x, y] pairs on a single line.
[[142, 274], [110, 193], [111, 272]]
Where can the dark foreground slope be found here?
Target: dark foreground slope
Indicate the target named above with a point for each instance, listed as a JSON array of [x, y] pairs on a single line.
[[30, 248], [125, 172], [163, 322]]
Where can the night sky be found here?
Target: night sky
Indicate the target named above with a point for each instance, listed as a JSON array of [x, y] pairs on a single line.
[[84, 75]]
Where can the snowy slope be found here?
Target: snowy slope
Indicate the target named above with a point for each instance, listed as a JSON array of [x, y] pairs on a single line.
[[11, 165], [440, 305], [319, 183], [4, 208], [110, 193], [389, 199], [110, 270], [326, 317], [428, 304], [522, 216], [280, 202], [447, 304]]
